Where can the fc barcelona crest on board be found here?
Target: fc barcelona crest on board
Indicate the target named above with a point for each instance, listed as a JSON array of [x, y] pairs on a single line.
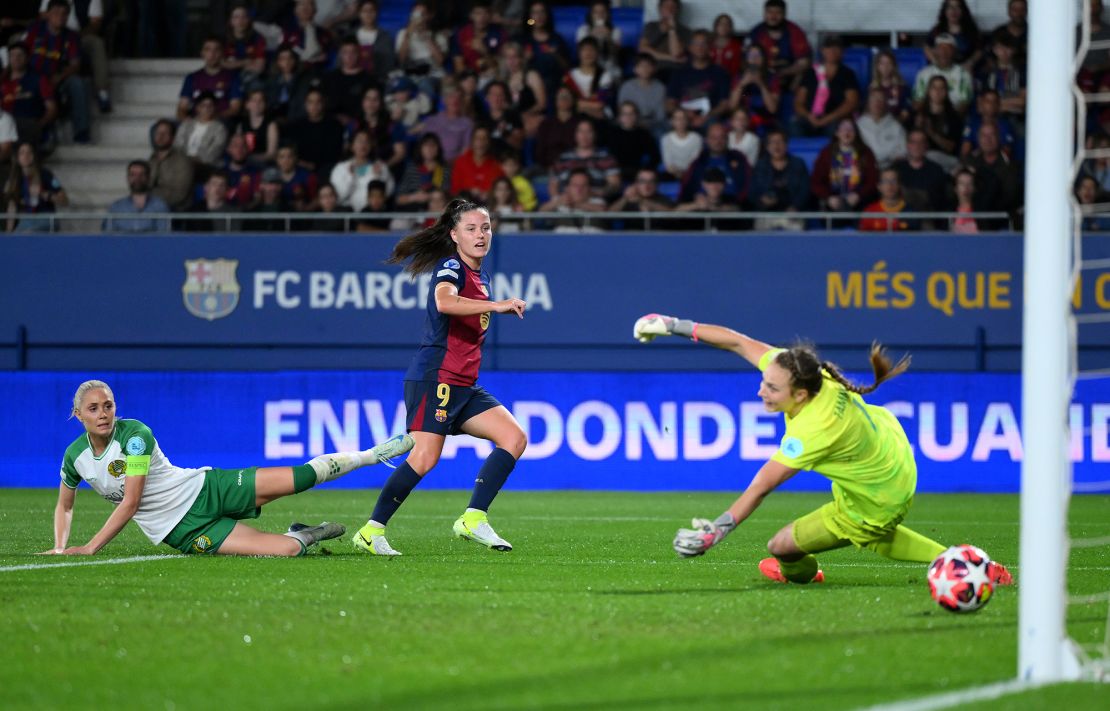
[[211, 290]]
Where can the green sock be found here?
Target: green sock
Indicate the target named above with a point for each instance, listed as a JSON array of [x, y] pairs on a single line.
[[304, 478], [799, 571], [905, 544]]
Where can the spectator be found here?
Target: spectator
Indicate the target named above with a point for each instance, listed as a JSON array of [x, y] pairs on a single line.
[[599, 26], [784, 44], [475, 45], [506, 129], [214, 202], [740, 138], [589, 82], [426, 173], [9, 136], [351, 177], [171, 171], [526, 195], [335, 13], [139, 201], [318, 137], [503, 201], [1017, 28], [966, 202], [989, 111], [242, 176], [345, 85], [1098, 168], [258, 129], [86, 18], [756, 91], [780, 183], [647, 93], [287, 85], [244, 48], [726, 50], [941, 123], [1088, 196], [404, 106], [642, 196], [376, 48], [555, 135], [376, 203], [999, 179], [31, 190], [212, 78], [312, 43], [633, 146], [602, 169], [203, 137], [712, 197], [717, 154], [666, 38], [421, 52], [390, 137], [331, 216], [890, 202], [452, 128], [575, 199], [437, 203], [527, 92], [28, 97], [960, 87], [699, 86], [545, 50], [828, 92], [882, 133], [467, 82], [955, 20], [271, 202], [53, 52], [924, 183], [886, 77], [845, 173], [680, 146], [1004, 76], [298, 184]]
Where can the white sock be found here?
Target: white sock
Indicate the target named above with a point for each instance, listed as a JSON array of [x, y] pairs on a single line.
[[335, 465], [375, 524]]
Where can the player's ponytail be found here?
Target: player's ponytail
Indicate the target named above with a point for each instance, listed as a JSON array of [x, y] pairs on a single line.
[[84, 388], [883, 367], [431, 244]]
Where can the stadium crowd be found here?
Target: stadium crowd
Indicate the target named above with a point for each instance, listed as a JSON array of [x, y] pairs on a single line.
[[315, 107]]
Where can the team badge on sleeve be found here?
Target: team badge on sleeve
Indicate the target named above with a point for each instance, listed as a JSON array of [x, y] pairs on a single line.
[[792, 447], [135, 446], [452, 264]]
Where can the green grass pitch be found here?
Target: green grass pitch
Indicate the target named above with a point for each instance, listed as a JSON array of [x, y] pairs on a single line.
[[591, 611]]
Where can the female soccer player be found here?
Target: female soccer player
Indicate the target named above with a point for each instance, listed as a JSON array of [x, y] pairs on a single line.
[[192, 510], [829, 429], [440, 392]]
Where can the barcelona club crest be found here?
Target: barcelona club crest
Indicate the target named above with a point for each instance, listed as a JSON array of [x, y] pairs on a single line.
[[211, 290], [441, 415]]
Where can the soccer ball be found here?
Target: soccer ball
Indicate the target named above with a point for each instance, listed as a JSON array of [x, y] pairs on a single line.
[[959, 579]]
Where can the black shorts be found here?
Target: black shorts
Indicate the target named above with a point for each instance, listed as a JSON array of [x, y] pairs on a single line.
[[441, 408]]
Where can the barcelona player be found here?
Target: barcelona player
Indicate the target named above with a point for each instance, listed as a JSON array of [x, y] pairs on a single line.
[[192, 510], [829, 429], [441, 395]]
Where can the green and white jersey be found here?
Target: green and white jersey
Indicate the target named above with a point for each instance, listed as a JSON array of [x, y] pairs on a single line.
[[169, 493]]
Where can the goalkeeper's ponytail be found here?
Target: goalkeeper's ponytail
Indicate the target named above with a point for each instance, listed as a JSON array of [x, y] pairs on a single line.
[[431, 244]]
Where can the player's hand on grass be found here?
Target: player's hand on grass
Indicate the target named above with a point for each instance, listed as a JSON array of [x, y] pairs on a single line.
[[690, 542], [648, 327], [52, 551], [78, 550]]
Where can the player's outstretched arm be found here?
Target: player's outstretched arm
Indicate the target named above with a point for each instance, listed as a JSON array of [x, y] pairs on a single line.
[[648, 327], [124, 512], [449, 303], [63, 519]]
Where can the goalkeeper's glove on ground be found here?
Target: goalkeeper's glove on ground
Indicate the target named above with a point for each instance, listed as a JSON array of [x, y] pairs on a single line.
[[704, 535]]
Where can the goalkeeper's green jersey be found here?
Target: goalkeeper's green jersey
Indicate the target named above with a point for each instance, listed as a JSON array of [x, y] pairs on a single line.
[[862, 448], [133, 451]]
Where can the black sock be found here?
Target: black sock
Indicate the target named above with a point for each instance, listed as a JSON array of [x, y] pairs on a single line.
[[491, 477], [397, 488]]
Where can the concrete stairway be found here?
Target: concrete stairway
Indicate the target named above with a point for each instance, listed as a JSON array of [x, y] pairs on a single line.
[[143, 90]]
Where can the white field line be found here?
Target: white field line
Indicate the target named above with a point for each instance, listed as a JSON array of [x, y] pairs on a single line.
[[74, 564], [949, 699]]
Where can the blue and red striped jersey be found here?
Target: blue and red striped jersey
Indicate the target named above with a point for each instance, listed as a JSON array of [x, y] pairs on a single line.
[[451, 348]]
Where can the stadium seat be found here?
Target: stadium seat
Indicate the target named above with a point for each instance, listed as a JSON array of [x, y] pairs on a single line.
[[807, 149], [858, 59], [539, 184], [567, 19], [394, 17], [910, 62], [630, 20], [670, 189]]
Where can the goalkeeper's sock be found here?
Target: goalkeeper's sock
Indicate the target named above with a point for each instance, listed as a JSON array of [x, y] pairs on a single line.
[[905, 544], [802, 571], [491, 477], [397, 488]]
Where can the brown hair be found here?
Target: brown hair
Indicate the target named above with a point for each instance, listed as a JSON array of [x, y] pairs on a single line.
[[804, 366], [434, 243]]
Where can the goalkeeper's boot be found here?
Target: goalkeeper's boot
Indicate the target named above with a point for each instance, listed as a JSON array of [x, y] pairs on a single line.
[[474, 526], [372, 540], [311, 535], [998, 574], [387, 450], [771, 569]]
